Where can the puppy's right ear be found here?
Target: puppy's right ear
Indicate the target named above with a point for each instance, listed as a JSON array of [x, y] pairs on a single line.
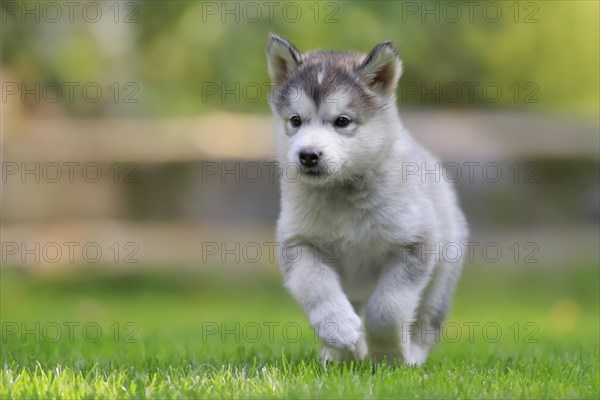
[[283, 58]]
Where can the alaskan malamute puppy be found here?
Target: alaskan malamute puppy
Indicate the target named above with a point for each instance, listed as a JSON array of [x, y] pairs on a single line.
[[371, 253]]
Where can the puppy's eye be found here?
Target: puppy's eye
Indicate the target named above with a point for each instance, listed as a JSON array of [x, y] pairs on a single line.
[[342, 121], [295, 121]]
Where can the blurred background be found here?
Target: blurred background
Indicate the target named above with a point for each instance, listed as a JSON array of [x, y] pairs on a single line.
[[137, 141]]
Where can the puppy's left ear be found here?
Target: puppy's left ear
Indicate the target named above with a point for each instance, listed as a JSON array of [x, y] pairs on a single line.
[[283, 58], [382, 68]]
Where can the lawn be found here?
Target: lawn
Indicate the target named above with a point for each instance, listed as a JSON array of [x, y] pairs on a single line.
[[513, 332]]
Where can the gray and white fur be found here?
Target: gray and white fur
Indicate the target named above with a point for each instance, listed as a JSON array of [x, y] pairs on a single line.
[[370, 253]]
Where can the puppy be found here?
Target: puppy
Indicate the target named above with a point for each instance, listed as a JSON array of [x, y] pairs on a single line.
[[370, 252]]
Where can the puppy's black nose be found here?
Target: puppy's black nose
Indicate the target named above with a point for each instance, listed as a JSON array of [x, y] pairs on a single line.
[[309, 157]]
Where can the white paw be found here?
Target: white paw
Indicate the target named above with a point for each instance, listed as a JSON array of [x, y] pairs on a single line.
[[341, 330], [331, 355], [417, 355]]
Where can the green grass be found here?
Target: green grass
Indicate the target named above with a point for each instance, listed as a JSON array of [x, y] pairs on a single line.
[[168, 350]]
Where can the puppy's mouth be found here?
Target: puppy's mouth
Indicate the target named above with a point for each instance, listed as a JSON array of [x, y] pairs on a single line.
[[321, 173], [314, 174], [312, 171]]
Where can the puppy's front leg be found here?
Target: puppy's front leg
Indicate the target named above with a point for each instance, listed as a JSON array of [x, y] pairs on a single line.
[[315, 285]]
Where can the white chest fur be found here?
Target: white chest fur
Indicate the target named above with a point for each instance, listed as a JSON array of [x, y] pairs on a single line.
[[357, 229]]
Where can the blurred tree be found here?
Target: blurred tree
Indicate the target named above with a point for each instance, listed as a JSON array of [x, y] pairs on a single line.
[[190, 57]]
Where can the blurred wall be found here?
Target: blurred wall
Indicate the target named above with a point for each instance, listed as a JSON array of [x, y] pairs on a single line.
[[143, 127]]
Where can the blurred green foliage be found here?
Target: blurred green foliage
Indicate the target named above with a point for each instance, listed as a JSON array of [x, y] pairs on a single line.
[[186, 56]]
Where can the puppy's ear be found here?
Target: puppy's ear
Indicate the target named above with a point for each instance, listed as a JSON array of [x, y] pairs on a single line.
[[283, 58], [382, 68]]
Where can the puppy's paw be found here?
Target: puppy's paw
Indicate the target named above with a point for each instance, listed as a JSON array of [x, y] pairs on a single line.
[[334, 356], [417, 354], [341, 330]]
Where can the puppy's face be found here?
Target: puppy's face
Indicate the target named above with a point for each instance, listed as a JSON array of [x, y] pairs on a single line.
[[332, 109]]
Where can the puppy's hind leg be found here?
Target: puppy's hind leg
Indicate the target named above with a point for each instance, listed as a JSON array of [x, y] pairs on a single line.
[[391, 309], [432, 311]]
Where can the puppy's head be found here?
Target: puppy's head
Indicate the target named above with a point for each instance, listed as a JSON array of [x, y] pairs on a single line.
[[334, 111]]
